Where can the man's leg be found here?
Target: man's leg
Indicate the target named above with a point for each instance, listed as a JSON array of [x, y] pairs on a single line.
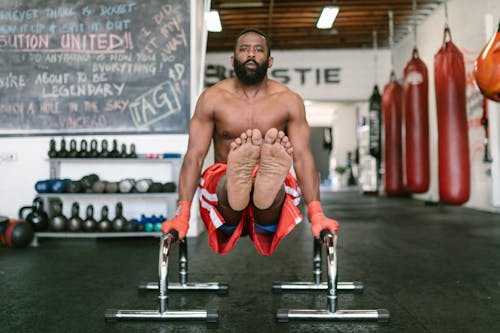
[[270, 215], [231, 217], [274, 165], [241, 160]]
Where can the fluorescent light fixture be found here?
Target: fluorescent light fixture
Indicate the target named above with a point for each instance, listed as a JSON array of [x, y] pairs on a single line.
[[213, 21], [327, 17], [242, 4]]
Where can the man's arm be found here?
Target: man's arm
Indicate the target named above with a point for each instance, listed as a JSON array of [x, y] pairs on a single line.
[[305, 169], [201, 129], [298, 132]]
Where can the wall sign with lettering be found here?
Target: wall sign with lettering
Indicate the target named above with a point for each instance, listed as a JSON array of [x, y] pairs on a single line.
[[94, 68]]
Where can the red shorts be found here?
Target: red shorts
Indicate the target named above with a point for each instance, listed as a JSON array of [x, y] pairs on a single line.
[[219, 240]]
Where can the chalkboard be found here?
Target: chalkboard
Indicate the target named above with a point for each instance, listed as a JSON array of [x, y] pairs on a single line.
[[94, 67]]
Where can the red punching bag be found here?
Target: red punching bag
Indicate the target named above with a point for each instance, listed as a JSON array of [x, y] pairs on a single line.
[[453, 137], [487, 68], [393, 159], [416, 122]]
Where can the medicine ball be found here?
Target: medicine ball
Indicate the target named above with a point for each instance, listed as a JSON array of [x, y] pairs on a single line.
[[19, 234]]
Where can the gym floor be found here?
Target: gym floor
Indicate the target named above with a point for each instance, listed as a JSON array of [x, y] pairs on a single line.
[[435, 268]]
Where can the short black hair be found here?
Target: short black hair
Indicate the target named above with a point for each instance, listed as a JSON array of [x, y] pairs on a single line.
[[257, 31]]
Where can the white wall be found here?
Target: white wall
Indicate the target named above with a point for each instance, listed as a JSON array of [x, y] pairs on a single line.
[[467, 25], [18, 177], [324, 75]]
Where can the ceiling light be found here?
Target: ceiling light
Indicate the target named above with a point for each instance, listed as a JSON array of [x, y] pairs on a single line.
[[327, 17], [213, 21], [242, 4]]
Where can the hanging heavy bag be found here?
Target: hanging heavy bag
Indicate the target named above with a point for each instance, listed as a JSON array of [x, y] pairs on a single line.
[[374, 116], [453, 143], [487, 68], [416, 122], [393, 159]]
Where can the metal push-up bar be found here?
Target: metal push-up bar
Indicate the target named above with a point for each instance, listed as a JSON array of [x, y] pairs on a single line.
[[163, 313], [332, 312]]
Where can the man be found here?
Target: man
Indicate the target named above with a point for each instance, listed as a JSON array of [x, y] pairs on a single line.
[[259, 129]]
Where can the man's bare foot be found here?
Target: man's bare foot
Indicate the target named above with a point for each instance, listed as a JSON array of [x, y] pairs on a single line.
[[241, 160], [274, 165]]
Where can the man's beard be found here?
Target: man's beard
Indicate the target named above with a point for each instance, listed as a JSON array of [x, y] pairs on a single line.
[[250, 77]]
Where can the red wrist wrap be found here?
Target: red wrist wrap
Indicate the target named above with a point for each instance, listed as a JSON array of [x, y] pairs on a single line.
[[314, 208], [184, 209]]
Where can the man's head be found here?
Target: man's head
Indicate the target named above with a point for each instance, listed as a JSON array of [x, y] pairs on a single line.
[[255, 31], [252, 56]]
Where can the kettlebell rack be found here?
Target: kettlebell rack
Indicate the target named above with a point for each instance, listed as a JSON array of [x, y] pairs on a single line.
[[169, 198]]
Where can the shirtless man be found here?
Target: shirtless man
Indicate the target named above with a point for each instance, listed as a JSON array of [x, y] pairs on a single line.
[[259, 130]]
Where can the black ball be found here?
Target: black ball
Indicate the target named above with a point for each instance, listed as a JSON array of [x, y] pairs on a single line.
[[19, 234]]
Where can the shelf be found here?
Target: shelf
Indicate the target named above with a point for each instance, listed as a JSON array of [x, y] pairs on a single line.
[[110, 195], [48, 234], [90, 235], [149, 160], [169, 198]]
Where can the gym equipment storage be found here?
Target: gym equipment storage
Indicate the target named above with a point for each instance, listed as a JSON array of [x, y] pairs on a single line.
[[124, 167]]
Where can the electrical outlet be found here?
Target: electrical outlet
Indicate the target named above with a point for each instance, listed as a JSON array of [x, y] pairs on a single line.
[[8, 157]]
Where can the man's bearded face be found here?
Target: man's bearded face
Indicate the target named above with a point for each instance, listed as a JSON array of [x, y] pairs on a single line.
[[250, 75]]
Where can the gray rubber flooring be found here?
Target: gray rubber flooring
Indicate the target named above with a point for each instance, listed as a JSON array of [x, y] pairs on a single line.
[[435, 268]]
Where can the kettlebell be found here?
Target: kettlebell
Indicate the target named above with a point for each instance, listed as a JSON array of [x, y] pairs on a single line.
[[104, 224], [37, 217], [132, 153], [119, 221], [58, 221], [129, 226], [83, 153], [93, 149], [123, 151], [52, 149], [63, 152], [104, 153], [114, 153], [75, 222], [72, 149], [90, 223]]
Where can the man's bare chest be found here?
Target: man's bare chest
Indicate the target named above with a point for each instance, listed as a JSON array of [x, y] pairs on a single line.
[[232, 119]]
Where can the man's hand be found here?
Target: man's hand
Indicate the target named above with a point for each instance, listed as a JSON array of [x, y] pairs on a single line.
[[179, 222], [318, 220]]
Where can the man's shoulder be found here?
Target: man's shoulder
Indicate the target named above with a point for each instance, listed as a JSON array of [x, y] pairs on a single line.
[[279, 88], [221, 87]]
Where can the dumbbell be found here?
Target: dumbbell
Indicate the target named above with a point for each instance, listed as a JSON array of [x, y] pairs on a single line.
[[126, 185], [88, 181], [169, 187], [143, 185]]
